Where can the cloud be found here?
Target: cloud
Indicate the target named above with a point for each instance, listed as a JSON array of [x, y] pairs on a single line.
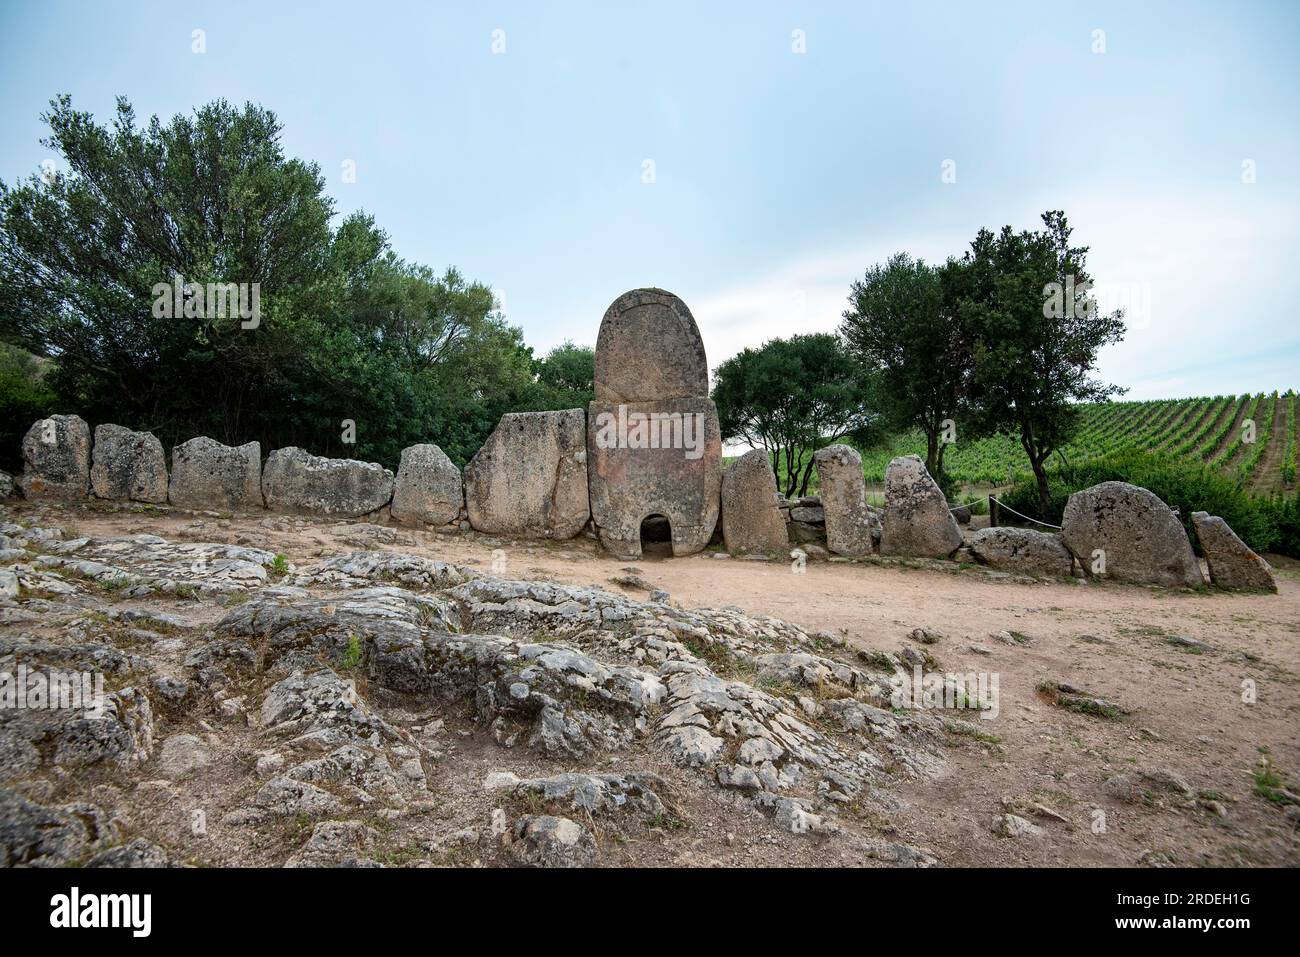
[[1204, 276]]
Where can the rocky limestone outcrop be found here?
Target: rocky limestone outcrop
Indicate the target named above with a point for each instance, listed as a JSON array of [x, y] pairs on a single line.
[[327, 700], [843, 501], [751, 521], [1127, 533], [1022, 550], [428, 489], [1233, 564], [530, 477], [917, 522], [297, 481], [209, 475], [56, 459], [128, 466]]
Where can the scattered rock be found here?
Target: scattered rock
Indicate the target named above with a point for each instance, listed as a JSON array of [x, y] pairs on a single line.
[[844, 501], [128, 466], [547, 841], [530, 477], [917, 522], [751, 522], [1233, 564], [209, 475], [1013, 825], [297, 481], [56, 459], [428, 489], [1131, 534], [1022, 550]]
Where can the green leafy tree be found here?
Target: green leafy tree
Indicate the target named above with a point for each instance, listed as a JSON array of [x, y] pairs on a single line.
[[566, 376], [1036, 330], [346, 329], [901, 326], [24, 398], [791, 397]]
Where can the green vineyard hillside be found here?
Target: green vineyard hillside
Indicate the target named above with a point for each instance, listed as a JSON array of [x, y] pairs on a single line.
[[1250, 438]]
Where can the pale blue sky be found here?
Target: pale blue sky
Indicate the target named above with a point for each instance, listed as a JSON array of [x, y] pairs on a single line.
[[779, 176]]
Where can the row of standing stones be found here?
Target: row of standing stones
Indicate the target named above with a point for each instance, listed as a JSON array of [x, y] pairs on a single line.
[[530, 480]]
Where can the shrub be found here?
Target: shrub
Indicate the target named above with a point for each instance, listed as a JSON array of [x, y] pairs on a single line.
[[1261, 523]]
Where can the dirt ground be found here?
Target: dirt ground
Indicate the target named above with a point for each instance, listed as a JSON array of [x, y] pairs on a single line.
[[1189, 709]]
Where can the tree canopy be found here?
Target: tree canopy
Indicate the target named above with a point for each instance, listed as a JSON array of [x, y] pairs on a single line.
[[901, 325], [1036, 332], [346, 330], [791, 397]]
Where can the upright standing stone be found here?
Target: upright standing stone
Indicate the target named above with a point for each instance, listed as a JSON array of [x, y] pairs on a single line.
[[917, 521], [428, 489], [56, 458], [1233, 564], [297, 481], [128, 466], [1120, 531], [653, 441], [843, 501], [751, 521], [530, 478], [209, 475]]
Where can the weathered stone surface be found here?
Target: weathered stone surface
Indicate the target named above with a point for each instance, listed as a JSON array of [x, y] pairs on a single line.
[[649, 350], [630, 484], [297, 481], [33, 835], [844, 501], [530, 478], [128, 466], [181, 755], [751, 522], [1130, 533], [7, 486], [1022, 550], [548, 841], [209, 475], [917, 522], [1233, 564], [428, 488], [654, 446], [56, 458]]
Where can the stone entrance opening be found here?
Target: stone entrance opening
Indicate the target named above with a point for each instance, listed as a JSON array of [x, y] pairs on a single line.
[[653, 442], [656, 537]]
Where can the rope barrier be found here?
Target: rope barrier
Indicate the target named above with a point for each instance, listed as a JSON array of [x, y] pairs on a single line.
[[1023, 515]]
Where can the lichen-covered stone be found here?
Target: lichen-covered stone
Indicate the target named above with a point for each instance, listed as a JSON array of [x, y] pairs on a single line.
[[56, 459], [428, 489], [1022, 550], [128, 466], [917, 522], [209, 475], [1121, 531], [1233, 564], [843, 501], [297, 481], [530, 477], [751, 521]]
